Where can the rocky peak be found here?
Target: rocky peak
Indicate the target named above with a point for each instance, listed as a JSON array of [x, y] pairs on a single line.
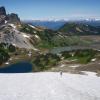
[[10, 18], [2, 15], [2, 11], [13, 18]]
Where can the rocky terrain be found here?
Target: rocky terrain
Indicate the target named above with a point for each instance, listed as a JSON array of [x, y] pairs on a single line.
[[10, 33]]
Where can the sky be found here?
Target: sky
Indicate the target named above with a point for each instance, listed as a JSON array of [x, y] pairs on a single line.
[[53, 9]]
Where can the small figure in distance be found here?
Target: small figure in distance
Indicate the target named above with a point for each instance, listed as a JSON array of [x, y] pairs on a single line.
[[61, 73]]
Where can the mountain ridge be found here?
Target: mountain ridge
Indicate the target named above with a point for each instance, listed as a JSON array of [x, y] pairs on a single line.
[[73, 28]]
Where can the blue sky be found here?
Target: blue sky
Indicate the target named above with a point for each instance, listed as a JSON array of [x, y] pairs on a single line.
[[53, 9]]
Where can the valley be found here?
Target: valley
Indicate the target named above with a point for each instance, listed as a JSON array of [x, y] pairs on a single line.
[[47, 49]]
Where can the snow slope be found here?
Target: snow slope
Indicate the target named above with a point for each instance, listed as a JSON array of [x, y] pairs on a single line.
[[49, 86]]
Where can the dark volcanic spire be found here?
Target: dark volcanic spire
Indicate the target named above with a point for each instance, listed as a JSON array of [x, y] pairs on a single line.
[[2, 11], [2, 15]]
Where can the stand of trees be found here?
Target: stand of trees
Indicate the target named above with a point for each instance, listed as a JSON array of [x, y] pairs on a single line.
[[5, 49], [43, 62], [82, 56]]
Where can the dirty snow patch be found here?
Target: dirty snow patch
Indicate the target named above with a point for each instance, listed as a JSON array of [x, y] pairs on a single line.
[[93, 59], [7, 63], [12, 25], [32, 26], [89, 73], [74, 66], [14, 44], [63, 65], [37, 36], [26, 36], [6, 21]]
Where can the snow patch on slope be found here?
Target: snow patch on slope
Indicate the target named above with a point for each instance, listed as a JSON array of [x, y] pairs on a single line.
[[74, 66], [12, 25], [6, 21], [89, 73], [32, 26], [37, 36], [26, 36]]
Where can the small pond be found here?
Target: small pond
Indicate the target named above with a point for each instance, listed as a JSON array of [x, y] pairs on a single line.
[[68, 48], [21, 67]]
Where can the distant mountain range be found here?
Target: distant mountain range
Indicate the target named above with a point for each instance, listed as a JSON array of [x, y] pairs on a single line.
[[55, 25]]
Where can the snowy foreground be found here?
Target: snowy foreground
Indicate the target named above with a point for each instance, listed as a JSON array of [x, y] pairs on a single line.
[[49, 86]]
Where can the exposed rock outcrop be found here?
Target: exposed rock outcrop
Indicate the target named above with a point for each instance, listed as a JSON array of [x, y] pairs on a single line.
[[2, 15], [13, 18], [2, 11], [10, 33], [10, 18]]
